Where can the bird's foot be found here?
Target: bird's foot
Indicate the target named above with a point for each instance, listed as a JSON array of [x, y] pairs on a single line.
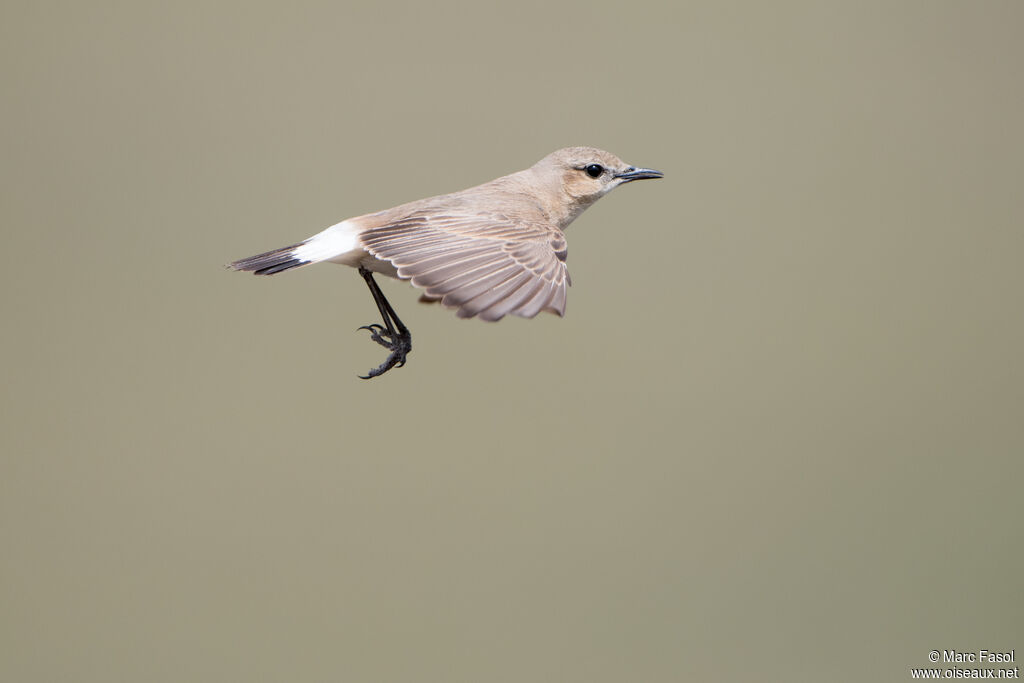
[[398, 343]]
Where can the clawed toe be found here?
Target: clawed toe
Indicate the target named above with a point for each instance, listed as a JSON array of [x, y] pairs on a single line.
[[398, 343], [380, 335]]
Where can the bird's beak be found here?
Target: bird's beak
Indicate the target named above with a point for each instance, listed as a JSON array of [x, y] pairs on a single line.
[[633, 173]]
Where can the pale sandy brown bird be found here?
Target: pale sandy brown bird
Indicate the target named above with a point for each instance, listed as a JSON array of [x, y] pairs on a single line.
[[488, 251]]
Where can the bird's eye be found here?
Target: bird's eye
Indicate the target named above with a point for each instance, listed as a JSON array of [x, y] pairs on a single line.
[[594, 170]]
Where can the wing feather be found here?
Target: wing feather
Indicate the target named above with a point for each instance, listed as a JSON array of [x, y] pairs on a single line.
[[483, 264], [539, 302], [461, 295], [445, 268], [514, 300], [482, 303]]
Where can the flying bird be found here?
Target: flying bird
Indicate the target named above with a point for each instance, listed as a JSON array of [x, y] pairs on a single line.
[[489, 251]]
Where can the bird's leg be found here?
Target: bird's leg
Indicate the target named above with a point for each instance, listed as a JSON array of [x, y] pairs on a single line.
[[392, 335]]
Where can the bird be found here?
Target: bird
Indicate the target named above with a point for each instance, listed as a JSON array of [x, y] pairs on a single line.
[[487, 251]]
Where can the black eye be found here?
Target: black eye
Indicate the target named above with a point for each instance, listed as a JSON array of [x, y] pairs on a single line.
[[594, 170]]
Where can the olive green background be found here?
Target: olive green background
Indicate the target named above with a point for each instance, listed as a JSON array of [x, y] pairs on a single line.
[[778, 435]]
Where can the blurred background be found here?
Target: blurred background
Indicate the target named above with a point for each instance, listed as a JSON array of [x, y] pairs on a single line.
[[777, 436]]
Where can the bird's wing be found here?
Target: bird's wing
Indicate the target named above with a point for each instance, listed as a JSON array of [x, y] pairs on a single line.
[[483, 264]]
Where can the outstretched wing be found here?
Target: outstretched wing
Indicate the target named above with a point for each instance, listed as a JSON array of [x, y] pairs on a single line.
[[483, 264]]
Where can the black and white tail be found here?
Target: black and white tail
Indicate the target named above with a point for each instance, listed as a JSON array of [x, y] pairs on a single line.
[[333, 244], [271, 262]]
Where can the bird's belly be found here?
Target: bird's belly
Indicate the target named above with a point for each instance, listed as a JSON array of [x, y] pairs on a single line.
[[360, 257]]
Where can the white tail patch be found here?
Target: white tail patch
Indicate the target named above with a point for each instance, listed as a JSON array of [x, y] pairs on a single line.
[[330, 244]]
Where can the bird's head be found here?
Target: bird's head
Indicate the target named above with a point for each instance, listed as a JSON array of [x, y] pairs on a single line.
[[585, 174]]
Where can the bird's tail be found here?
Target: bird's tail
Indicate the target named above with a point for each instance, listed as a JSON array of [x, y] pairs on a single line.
[[271, 262], [334, 243]]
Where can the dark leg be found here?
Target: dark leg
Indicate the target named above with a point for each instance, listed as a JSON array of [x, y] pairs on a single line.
[[392, 335]]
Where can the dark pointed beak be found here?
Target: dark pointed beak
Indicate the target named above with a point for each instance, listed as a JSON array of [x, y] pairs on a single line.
[[633, 173]]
